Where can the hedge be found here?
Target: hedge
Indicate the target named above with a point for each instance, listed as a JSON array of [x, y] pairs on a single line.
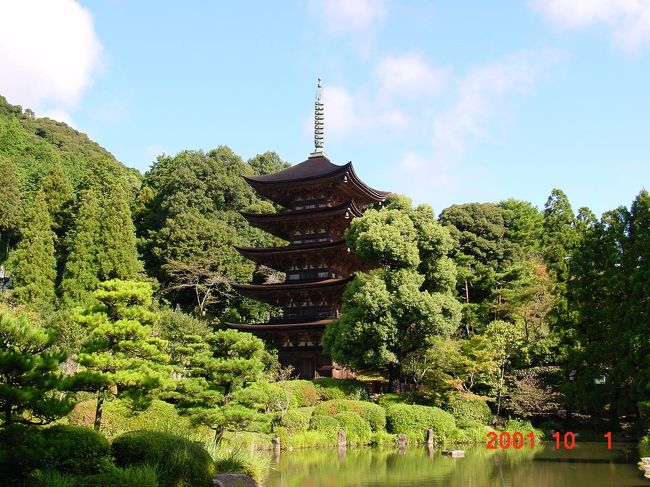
[[296, 420], [414, 420], [118, 418], [372, 413], [75, 450], [357, 430], [330, 388], [469, 409], [325, 424], [303, 391], [63, 448], [178, 461]]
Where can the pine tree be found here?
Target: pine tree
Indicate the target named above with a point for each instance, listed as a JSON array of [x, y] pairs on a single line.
[[81, 274], [33, 264], [29, 372], [10, 204], [121, 356]]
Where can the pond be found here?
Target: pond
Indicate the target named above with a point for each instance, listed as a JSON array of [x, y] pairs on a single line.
[[587, 465]]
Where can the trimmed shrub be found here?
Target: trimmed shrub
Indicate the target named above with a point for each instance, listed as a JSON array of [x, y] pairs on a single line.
[[381, 438], [21, 451], [178, 461], [469, 409], [247, 462], [357, 430], [303, 391], [325, 424], [330, 388], [413, 420], [296, 420], [308, 439], [75, 450], [372, 413], [119, 418]]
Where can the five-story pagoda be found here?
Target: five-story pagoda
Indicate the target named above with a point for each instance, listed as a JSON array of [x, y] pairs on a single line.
[[320, 200]]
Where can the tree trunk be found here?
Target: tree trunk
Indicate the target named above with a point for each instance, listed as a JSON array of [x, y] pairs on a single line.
[[8, 414], [218, 435], [503, 371], [99, 410]]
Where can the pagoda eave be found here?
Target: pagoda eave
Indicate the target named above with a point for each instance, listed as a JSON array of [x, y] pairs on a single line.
[[281, 326]]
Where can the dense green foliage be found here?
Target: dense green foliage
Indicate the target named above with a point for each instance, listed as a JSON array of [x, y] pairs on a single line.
[[391, 312], [31, 382], [178, 462], [121, 356], [414, 420], [372, 413]]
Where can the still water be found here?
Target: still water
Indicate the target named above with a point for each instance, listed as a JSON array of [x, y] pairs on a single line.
[[587, 465]]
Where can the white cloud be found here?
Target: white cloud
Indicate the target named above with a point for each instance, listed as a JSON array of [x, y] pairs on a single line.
[[628, 21], [410, 76], [49, 53], [344, 16], [480, 98]]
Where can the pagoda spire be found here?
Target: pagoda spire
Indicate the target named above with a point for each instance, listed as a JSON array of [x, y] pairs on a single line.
[[319, 122]]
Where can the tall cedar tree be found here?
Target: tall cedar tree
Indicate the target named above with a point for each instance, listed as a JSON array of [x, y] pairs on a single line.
[[30, 377], [60, 200], [118, 255], [33, 264], [82, 270], [10, 205], [121, 356]]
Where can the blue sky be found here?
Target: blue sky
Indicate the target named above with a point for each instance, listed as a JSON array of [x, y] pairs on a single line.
[[446, 102]]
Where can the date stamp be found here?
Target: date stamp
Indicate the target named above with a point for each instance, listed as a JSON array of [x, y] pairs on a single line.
[[519, 440]]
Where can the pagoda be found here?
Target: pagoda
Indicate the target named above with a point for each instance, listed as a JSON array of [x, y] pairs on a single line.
[[319, 199]]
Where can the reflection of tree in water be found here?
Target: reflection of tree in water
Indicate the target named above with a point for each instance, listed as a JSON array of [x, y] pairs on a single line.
[[590, 465]]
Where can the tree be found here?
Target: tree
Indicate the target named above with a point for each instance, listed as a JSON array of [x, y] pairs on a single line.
[[267, 163], [10, 204], [559, 237], [482, 253], [121, 356], [388, 313], [524, 225], [118, 255], [33, 263], [230, 363], [31, 382], [506, 340], [82, 269]]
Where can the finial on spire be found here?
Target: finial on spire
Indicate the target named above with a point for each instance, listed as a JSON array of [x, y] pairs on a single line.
[[319, 122]]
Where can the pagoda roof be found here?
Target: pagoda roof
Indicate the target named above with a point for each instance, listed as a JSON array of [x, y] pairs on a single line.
[[292, 286], [313, 171], [302, 215], [251, 252], [277, 294], [312, 168], [279, 326]]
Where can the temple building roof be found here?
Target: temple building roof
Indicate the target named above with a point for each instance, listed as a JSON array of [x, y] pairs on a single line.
[[287, 186]]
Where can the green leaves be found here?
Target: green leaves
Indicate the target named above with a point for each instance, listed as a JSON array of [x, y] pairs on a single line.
[[30, 379], [390, 312], [121, 350]]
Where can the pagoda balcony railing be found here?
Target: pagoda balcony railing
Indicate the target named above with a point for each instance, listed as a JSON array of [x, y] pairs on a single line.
[[306, 315]]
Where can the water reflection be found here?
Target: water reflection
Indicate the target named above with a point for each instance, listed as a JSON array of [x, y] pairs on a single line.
[[588, 465]]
